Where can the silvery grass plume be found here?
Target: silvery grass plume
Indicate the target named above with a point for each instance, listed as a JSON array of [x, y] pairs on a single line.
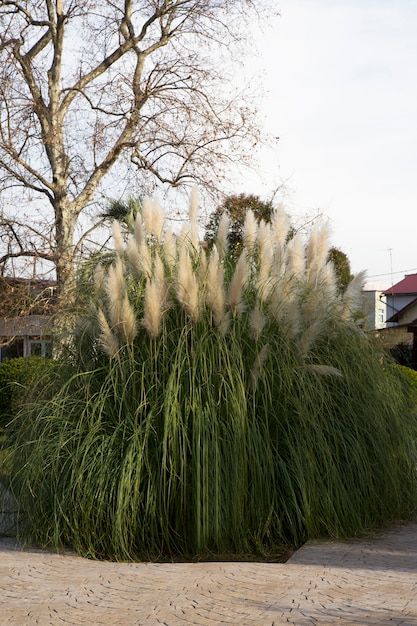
[[133, 257], [308, 336], [352, 301], [107, 339], [161, 281], [284, 305], [115, 288], [122, 315], [258, 365], [250, 231], [153, 218], [187, 287], [170, 248], [264, 238], [158, 219], [257, 321], [139, 229], [118, 238], [280, 226], [264, 283], [221, 239], [238, 284], [193, 217], [99, 278], [215, 291], [295, 257], [147, 210], [152, 308], [145, 259], [317, 253], [128, 322]]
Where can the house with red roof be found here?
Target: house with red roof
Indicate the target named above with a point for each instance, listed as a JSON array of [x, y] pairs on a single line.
[[401, 301]]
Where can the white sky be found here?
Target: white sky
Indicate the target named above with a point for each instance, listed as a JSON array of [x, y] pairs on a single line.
[[341, 77]]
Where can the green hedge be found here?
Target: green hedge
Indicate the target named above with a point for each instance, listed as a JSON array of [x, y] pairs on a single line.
[[17, 377], [411, 376]]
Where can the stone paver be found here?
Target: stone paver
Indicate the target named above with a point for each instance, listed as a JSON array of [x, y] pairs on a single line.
[[355, 583]]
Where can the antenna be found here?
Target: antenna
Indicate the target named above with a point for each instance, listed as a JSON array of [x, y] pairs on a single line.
[[390, 261], [392, 280]]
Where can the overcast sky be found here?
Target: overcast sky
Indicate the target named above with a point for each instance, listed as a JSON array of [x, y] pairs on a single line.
[[341, 77]]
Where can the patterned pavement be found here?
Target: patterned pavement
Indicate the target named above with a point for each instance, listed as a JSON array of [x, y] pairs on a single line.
[[340, 583]]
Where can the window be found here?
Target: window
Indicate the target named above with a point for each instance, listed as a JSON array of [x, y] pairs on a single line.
[[12, 350], [40, 347]]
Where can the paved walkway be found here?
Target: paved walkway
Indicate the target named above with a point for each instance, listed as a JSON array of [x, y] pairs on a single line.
[[363, 582]]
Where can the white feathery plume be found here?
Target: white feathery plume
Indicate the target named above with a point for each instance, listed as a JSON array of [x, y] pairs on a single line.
[[317, 253], [194, 240], [221, 241], [308, 336], [99, 277], [128, 328], [185, 235], [280, 225], [159, 270], [280, 297], [264, 281], [158, 220], [323, 244], [193, 204], [115, 287], [215, 296], [145, 259], [139, 229], [296, 256], [250, 231], [193, 210], [258, 364], [107, 340], [324, 370], [311, 249], [352, 298], [329, 279], [159, 278], [170, 248], [292, 316], [152, 308], [133, 257], [257, 322], [147, 210], [212, 278], [117, 237], [264, 238], [202, 271], [187, 285], [223, 323], [238, 285]]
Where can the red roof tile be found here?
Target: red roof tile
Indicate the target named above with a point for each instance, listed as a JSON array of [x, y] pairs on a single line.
[[408, 285]]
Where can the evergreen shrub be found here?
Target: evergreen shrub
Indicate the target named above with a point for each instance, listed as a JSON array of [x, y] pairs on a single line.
[[17, 378]]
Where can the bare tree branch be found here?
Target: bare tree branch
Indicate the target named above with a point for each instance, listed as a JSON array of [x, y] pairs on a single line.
[[90, 85]]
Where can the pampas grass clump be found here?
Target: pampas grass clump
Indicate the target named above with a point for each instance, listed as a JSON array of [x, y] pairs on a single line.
[[216, 408]]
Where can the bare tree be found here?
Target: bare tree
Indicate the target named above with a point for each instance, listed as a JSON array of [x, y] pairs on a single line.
[[87, 86]]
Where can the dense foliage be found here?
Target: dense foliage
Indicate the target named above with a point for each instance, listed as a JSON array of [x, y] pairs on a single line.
[[17, 378], [217, 408]]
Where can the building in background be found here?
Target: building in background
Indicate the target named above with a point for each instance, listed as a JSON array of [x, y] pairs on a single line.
[[401, 302], [374, 309], [399, 296], [26, 309]]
